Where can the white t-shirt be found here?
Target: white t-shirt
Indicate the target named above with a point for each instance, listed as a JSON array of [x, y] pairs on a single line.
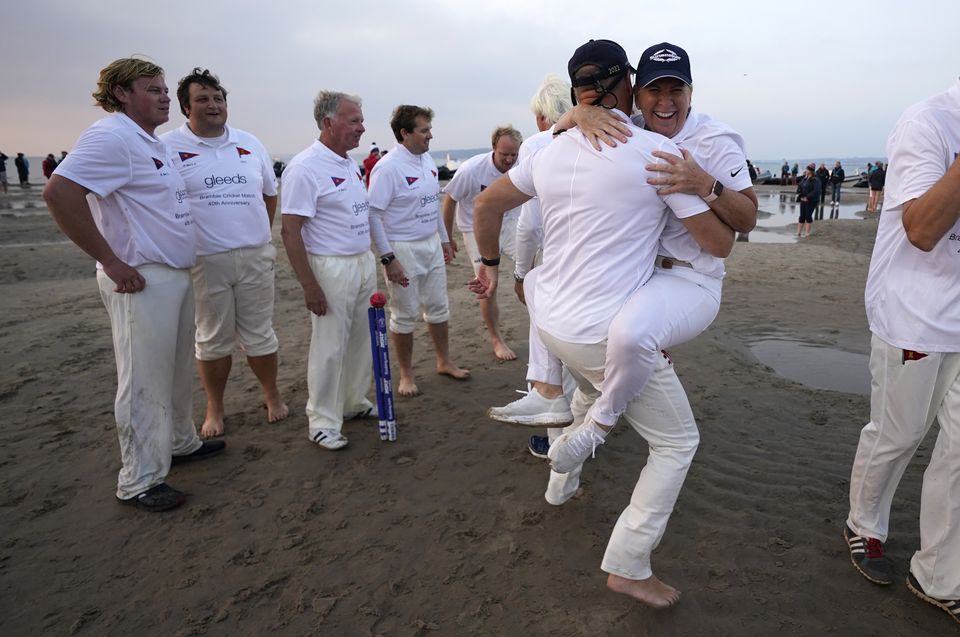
[[529, 224], [472, 177], [405, 193], [226, 180], [913, 297], [721, 152], [328, 189], [144, 214], [601, 223]]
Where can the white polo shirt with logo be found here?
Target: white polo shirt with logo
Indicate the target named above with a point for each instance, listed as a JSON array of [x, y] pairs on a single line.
[[405, 187], [327, 189], [721, 152], [913, 297], [601, 224], [226, 180], [472, 177], [144, 213]]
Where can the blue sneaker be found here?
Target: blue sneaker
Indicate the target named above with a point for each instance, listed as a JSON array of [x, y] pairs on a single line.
[[539, 446]]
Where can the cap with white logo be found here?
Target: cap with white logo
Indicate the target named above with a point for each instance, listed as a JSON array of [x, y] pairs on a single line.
[[663, 60]]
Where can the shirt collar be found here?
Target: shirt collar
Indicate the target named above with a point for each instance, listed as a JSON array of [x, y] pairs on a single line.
[[125, 119], [209, 141]]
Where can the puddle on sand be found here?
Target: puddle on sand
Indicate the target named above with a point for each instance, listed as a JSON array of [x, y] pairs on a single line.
[[814, 365]]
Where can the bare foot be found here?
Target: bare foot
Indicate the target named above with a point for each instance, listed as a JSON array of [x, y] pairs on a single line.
[[650, 591], [212, 427], [451, 370], [277, 410], [407, 388], [502, 352]]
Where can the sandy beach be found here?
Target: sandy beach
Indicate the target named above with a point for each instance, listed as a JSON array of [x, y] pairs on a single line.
[[444, 532]]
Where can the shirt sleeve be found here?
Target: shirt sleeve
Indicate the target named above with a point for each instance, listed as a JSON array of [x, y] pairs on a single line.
[[300, 192], [682, 204], [266, 168], [916, 153], [726, 162], [458, 188], [521, 176], [100, 162]]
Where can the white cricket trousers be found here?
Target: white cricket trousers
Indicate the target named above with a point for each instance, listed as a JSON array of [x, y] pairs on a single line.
[[339, 366], [662, 416], [153, 347], [905, 397], [674, 306]]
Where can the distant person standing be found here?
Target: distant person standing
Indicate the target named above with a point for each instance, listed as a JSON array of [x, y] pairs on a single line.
[[912, 296], [472, 178], [142, 236], [836, 182], [233, 200], [49, 165], [877, 180], [785, 173], [369, 162], [3, 172], [824, 176], [23, 170], [278, 167], [809, 189], [752, 170], [793, 173]]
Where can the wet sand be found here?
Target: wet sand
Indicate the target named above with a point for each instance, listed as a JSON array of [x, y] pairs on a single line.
[[446, 531]]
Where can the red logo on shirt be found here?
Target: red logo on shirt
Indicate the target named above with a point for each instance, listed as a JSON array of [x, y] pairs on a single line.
[[433, 172], [185, 156], [411, 180], [482, 187], [242, 151], [359, 177], [337, 181], [157, 163], [910, 355]]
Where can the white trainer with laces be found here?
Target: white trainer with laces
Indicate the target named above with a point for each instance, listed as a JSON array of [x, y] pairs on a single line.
[[330, 439], [533, 409], [571, 449]]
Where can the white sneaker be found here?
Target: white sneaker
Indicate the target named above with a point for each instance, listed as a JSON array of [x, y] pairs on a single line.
[[570, 450], [534, 409], [330, 439]]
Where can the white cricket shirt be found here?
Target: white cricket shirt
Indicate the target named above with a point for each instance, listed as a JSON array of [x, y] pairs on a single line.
[[405, 188], [144, 214], [226, 181], [601, 225], [529, 223], [913, 297], [328, 190], [472, 177]]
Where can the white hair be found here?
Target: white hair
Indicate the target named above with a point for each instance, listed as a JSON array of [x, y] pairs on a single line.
[[552, 99], [327, 103]]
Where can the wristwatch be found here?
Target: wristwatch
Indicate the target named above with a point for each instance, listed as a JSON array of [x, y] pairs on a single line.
[[715, 192], [387, 259]]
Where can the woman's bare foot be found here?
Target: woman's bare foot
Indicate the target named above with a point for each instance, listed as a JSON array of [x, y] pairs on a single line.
[[650, 591], [407, 388], [451, 370], [502, 352], [212, 427]]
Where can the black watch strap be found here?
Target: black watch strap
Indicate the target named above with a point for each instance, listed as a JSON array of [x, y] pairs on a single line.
[[490, 262]]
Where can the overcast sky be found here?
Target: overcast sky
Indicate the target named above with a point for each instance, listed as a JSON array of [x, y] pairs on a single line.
[[796, 79]]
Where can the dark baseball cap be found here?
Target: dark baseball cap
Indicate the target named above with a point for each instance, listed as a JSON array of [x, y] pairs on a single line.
[[663, 60], [606, 54]]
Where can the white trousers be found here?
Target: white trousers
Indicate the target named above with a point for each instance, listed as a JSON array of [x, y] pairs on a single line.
[[153, 348], [662, 416], [671, 308], [426, 292], [905, 398], [339, 366]]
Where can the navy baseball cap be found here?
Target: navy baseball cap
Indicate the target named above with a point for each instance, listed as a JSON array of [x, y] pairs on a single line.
[[606, 54], [663, 60]]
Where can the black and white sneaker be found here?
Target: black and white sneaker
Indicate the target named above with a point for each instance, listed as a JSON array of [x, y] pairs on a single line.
[[539, 446], [330, 439], [867, 554], [952, 606]]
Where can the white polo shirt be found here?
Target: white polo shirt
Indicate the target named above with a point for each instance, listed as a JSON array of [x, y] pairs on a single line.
[[529, 224], [721, 152], [144, 214], [327, 189], [226, 180], [472, 177], [405, 188], [913, 297], [601, 224]]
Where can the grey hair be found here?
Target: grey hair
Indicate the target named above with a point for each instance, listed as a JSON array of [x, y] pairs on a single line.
[[552, 99], [327, 103]]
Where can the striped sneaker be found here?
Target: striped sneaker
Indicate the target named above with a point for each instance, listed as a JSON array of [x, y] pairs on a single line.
[[330, 439], [952, 606], [868, 557]]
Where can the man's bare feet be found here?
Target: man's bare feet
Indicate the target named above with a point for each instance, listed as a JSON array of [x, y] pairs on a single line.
[[502, 352], [212, 427], [277, 410], [650, 591], [407, 388], [451, 370]]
